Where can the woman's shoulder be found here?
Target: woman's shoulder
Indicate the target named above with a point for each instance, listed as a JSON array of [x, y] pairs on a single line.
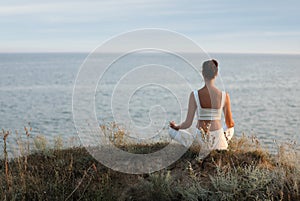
[[227, 98], [226, 93]]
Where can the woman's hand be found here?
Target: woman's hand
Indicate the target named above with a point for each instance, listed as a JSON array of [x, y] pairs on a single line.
[[173, 125]]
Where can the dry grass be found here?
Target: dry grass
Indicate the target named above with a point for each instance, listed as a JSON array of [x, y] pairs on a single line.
[[245, 172]]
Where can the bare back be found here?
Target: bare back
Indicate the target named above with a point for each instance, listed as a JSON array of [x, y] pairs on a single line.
[[210, 98]]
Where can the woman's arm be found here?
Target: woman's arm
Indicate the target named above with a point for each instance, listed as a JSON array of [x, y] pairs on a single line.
[[227, 112], [189, 117]]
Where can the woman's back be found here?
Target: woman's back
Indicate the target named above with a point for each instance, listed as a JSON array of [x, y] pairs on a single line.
[[211, 106], [210, 98]]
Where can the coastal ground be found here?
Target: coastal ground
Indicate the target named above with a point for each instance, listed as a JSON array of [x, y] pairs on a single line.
[[245, 172]]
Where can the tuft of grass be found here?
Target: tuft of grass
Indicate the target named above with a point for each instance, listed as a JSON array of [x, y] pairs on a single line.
[[157, 186]]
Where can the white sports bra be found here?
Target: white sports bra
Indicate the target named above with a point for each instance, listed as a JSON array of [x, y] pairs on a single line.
[[209, 113]]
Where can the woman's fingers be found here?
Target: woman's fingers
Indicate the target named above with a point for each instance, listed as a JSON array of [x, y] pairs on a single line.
[[173, 125]]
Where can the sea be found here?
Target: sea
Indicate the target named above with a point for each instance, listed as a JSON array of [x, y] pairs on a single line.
[[142, 92]]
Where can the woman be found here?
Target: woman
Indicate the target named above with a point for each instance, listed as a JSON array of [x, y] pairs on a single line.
[[209, 102]]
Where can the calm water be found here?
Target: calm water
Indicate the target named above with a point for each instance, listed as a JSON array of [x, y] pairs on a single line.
[[37, 88]]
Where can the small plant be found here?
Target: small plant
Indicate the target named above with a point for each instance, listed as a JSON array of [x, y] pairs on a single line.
[[58, 143], [114, 133], [6, 165], [158, 186], [40, 143]]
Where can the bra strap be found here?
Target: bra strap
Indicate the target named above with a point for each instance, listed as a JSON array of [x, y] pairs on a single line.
[[197, 102], [223, 99]]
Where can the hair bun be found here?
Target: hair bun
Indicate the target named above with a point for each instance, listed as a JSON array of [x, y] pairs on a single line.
[[215, 62]]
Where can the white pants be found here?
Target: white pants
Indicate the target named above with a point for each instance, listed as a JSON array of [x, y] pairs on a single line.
[[217, 139]]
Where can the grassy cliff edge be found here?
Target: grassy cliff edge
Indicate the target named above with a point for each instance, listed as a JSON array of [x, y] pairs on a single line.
[[245, 172]]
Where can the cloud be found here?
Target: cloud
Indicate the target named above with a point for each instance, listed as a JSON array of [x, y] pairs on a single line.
[[77, 7]]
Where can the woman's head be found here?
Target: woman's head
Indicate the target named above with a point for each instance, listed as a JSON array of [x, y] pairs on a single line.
[[210, 69]]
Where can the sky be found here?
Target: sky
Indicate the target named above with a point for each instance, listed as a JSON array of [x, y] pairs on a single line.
[[232, 26]]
